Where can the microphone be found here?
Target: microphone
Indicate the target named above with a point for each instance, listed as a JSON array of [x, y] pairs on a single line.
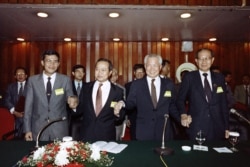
[[233, 111], [41, 131], [164, 150]]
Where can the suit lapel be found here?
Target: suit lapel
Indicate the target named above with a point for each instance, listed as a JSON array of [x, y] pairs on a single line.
[[41, 88], [199, 85]]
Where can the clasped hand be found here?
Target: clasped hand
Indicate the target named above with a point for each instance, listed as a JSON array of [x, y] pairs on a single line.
[[117, 108], [73, 102], [186, 120]]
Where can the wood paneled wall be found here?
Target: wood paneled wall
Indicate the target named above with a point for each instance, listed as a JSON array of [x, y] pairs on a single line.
[[134, 2], [233, 56]]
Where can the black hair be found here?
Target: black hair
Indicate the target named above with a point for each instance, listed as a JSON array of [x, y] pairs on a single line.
[[50, 52], [78, 66], [106, 60]]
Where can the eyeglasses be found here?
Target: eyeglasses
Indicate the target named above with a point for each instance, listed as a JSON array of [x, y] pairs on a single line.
[[49, 61], [205, 59]]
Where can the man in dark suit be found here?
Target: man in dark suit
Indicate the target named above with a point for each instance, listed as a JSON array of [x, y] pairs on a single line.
[[46, 99], [75, 118], [98, 105], [153, 98], [139, 72], [205, 92], [14, 99]]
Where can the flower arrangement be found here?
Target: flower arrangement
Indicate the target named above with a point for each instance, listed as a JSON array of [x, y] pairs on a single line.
[[67, 154]]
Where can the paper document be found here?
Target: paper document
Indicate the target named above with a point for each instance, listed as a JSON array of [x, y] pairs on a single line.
[[111, 147], [201, 148], [222, 150]]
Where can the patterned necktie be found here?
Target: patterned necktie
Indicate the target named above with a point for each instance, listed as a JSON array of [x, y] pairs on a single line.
[[207, 88], [78, 90], [98, 107], [48, 89], [153, 93], [20, 93]]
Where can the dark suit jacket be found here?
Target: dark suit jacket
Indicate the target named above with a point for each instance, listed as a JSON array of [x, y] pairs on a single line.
[[11, 96], [150, 121], [211, 117], [101, 127]]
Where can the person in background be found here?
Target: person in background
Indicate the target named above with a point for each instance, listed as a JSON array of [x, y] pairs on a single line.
[[205, 92], [46, 99], [139, 72], [153, 98], [119, 123], [242, 97], [75, 118], [215, 69], [165, 70], [101, 105], [14, 99]]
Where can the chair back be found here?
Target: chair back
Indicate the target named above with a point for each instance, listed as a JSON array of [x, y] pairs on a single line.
[[7, 123]]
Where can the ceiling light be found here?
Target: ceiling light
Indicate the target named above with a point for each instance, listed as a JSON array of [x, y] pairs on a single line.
[[42, 14], [20, 39], [185, 15], [116, 39], [67, 39], [114, 15], [212, 39], [164, 39]]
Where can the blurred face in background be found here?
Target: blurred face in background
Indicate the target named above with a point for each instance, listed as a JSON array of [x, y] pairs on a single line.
[[20, 75], [78, 74], [139, 73]]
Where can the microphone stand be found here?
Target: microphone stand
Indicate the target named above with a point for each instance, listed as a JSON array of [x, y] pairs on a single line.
[[233, 111], [40, 132], [164, 150]]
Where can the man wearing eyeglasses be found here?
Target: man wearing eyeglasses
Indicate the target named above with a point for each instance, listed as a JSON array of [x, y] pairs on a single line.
[[14, 100], [47, 96], [205, 92]]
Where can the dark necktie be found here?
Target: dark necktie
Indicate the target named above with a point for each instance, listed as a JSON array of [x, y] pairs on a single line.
[[207, 88], [153, 93], [48, 89], [20, 93], [78, 90], [246, 102], [98, 107]]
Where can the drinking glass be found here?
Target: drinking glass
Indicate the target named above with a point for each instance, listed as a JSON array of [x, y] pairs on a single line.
[[234, 139], [200, 137]]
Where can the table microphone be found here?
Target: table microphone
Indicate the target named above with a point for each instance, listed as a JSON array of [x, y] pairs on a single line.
[[233, 111], [164, 150], [41, 131]]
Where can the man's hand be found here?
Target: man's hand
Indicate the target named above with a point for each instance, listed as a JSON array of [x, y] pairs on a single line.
[[226, 134], [117, 108], [28, 136], [185, 120], [73, 102], [18, 114]]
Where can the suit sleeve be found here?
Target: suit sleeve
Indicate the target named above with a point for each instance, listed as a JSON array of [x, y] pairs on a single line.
[[131, 99], [182, 95]]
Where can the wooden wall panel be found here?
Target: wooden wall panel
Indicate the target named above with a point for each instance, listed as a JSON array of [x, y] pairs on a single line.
[[231, 56]]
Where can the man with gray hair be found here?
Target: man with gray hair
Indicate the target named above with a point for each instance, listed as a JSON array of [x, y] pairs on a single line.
[[154, 99]]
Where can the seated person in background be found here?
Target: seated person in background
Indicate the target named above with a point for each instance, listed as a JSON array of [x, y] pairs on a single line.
[[242, 97], [101, 105], [14, 99]]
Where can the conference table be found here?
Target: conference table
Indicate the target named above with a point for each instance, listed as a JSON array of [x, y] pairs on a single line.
[[141, 154]]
